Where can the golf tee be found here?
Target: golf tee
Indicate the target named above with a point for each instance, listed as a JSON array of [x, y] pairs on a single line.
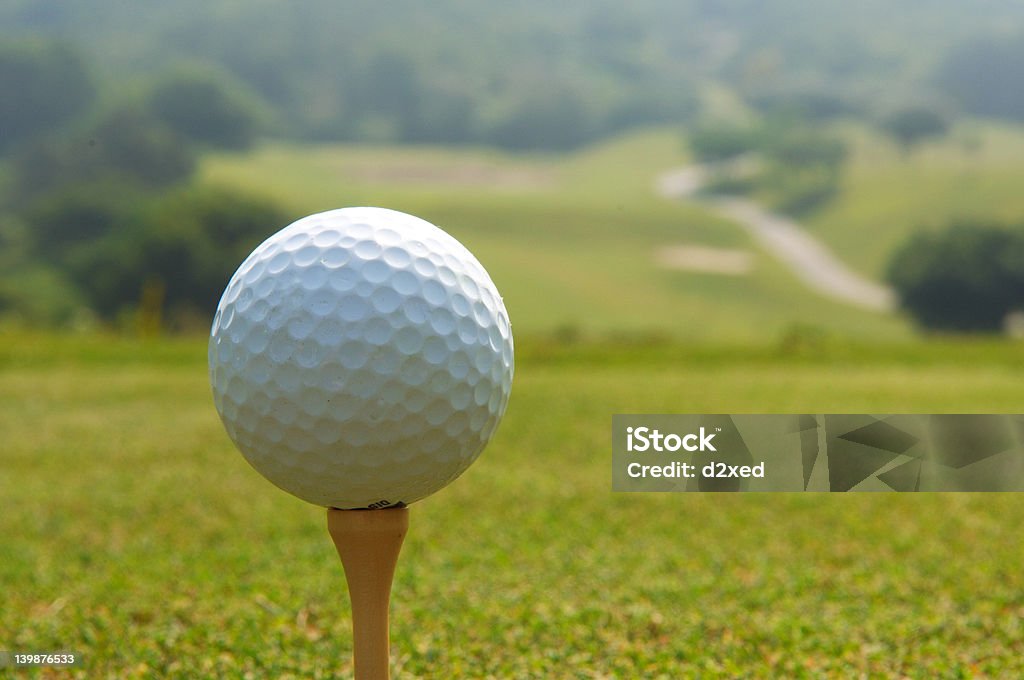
[[368, 542]]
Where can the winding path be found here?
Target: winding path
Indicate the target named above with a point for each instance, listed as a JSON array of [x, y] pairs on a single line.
[[811, 261]]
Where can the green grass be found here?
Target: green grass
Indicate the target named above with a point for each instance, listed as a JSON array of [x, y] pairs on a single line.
[[570, 241], [135, 534], [975, 173]]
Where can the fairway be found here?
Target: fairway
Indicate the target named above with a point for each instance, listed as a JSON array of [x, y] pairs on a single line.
[[571, 241], [136, 535]]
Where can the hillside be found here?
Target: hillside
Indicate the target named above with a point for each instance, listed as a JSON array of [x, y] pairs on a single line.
[[975, 173], [573, 242]]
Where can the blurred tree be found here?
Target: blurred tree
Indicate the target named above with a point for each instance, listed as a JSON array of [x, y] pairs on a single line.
[[126, 146], [314, 66], [797, 165], [966, 278], [31, 292], [45, 85], [650, 101], [798, 191], [185, 245], [132, 143], [382, 97], [38, 295], [912, 125], [206, 107], [109, 271], [550, 115], [169, 256], [802, 165], [816, 105], [63, 220], [231, 219], [446, 115], [719, 142], [801, 148]]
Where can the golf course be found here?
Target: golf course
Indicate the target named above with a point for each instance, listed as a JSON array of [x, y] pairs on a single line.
[[136, 535], [215, 381]]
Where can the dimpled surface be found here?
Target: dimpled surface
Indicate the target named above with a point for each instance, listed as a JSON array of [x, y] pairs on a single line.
[[361, 357]]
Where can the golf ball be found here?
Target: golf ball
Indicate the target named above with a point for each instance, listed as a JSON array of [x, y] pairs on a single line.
[[361, 358]]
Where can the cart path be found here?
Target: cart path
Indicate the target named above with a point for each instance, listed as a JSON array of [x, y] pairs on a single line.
[[808, 258]]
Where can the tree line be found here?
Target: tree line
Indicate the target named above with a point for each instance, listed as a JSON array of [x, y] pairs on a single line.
[[99, 209], [95, 156]]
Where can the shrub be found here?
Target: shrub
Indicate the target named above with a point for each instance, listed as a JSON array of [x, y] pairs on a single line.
[[966, 278], [711, 143], [912, 125]]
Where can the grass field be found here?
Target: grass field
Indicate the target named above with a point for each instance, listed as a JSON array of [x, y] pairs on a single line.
[[570, 241], [136, 535]]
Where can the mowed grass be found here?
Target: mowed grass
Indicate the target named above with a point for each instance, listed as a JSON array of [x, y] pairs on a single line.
[[569, 240], [973, 174], [135, 534]]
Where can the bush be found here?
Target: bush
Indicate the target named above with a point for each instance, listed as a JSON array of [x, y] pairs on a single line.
[[966, 278], [184, 245], [912, 125], [796, 166], [117, 250], [63, 220], [31, 292], [802, 168], [37, 295], [711, 143], [134, 145], [801, 149], [196, 241], [800, 191], [125, 147]]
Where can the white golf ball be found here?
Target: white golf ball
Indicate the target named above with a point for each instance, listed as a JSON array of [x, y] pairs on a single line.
[[361, 358]]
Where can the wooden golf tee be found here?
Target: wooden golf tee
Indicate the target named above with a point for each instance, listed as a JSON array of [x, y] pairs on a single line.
[[368, 542]]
